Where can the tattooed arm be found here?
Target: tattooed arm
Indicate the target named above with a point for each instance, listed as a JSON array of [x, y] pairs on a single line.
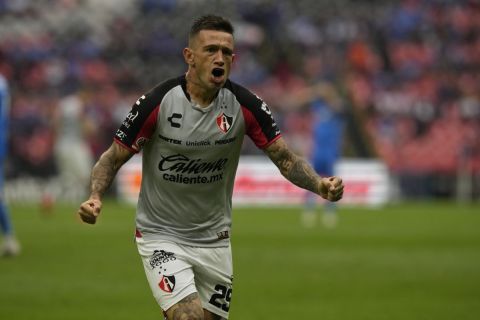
[[102, 176], [300, 173]]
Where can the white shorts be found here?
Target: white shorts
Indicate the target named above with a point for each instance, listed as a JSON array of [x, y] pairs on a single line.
[[175, 271]]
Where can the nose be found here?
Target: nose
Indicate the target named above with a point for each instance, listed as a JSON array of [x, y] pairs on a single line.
[[219, 58]]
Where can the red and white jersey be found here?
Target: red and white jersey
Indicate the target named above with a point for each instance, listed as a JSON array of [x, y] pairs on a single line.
[[190, 157]]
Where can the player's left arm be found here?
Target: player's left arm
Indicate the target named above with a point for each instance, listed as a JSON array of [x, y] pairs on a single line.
[[298, 171]]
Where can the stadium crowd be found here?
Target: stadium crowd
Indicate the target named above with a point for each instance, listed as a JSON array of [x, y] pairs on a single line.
[[407, 71]]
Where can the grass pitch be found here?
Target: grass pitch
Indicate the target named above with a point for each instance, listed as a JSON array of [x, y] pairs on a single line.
[[408, 261]]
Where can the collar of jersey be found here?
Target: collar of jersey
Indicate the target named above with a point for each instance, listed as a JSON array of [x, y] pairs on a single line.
[[196, 106], [183, 83]]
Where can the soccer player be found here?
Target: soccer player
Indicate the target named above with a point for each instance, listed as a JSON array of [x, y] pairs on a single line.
[[10, 246], [73, 155], [191, 129], [327, 134]]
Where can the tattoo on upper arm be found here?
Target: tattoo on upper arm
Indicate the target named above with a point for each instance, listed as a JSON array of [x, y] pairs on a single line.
[[107, 167], [294, 168]]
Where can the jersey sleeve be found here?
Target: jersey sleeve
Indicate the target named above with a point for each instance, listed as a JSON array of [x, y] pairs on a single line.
[[140, 123], [259, 122]]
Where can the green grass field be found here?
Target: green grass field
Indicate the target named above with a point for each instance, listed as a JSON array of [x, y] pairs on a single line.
[[415, 261]]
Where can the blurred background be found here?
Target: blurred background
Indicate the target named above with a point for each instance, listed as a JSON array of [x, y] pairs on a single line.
[[404, 76]]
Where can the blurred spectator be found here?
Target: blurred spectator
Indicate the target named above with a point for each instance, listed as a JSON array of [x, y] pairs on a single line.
[[33, 141]]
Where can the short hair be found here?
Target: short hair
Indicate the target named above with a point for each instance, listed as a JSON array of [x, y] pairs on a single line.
[[210, 22]]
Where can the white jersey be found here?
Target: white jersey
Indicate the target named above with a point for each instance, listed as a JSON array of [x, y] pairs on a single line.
[[190, 157]]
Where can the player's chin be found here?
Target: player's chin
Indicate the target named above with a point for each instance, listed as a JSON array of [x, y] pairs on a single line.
[[218, 82]]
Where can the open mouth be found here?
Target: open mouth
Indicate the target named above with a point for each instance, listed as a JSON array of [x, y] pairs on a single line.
[[218, 72]]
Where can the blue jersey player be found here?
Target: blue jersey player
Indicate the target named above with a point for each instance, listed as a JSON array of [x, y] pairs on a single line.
[[10, 245], [327, 136]]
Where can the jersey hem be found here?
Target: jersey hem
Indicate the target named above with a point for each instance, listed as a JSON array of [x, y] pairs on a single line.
[[197, 244], [214, 310]]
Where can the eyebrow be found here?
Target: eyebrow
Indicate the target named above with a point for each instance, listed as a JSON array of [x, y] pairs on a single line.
[[216, 46]]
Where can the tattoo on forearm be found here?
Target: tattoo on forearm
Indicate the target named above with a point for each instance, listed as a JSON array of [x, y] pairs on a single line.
[[302, 175], [102, 174], [105, 170], [294, 168]]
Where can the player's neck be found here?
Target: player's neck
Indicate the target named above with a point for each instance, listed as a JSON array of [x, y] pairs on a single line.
[[198, 93]]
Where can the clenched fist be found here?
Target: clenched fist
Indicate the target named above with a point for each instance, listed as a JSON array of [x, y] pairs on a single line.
[[331, 188], [90, 210]]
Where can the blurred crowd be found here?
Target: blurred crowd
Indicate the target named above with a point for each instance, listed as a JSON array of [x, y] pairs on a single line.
[[407, 72]]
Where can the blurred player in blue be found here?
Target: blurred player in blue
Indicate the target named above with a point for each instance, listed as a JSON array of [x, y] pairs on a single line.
[[327, 137], [10, 246]]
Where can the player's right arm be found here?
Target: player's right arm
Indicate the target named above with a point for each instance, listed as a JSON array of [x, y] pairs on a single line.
[[134, 132], [103, 173]]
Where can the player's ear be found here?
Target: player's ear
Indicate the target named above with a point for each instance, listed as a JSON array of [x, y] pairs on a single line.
[[233, 57], [188, 56]]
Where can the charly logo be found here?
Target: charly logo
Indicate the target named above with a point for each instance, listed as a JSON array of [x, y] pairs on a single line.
[[167, 283], [161, 256], [139, 100], [224, 122], [266, 109], [172, 119], [179, 163]]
